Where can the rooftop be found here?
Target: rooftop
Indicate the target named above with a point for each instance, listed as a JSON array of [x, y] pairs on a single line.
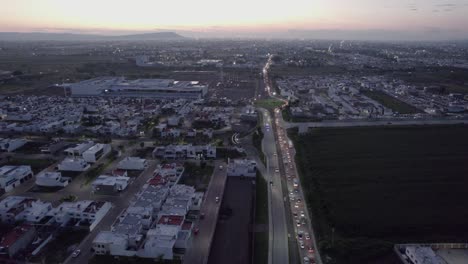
[[11, 237]]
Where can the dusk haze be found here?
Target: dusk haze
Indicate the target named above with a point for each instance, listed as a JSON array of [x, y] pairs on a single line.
[[399, 19], [234, 131]]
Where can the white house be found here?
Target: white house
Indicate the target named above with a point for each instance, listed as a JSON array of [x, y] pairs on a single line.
[[132, 163], [11, 206], [10, 145], [83, 212], [73, 164], [107, 242], [242, 167], [185, 152], [422, 255], [13, 176], [107, 184], [34, 212], [52, 179], [96, 152], [78, 150], [160, 242]]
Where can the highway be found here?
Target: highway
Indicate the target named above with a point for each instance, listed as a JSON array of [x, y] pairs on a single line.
[[279, 250], [304, 233], [301, 230]]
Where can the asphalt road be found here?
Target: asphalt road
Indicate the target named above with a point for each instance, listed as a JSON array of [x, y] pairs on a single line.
[[199, 252], [297, 202], [303, 126], [279, 250]]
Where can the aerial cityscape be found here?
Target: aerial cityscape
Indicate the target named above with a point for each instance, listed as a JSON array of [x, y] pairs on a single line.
[[234, 132]]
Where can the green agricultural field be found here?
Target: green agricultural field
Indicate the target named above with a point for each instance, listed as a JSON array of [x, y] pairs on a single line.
[[392, 103], [378, 186]]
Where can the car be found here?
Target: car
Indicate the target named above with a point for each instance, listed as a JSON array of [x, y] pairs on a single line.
[[295, 214], [307, 236], [302, 214], [76, 253], [221, 167], [298, 222], [306, 260], [300, 235], [195, 231], [298, 200], [217, 199], [302, 245], [271, 183], [277, 170], [310, 249], [202, 216], [274, 154]]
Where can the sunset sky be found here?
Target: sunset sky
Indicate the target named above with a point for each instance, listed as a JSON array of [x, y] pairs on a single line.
[[119, 16]]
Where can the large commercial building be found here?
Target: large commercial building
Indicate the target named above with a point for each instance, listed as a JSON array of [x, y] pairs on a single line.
[[119, 86]]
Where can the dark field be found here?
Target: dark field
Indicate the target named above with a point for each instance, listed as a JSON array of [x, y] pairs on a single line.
[[379, 186], [391, 102]]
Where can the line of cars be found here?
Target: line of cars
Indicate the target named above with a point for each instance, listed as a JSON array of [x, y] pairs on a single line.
[[307, 250]]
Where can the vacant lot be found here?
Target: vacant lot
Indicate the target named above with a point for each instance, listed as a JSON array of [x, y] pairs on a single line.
[[269, 103], [392, 103], [377, 186]]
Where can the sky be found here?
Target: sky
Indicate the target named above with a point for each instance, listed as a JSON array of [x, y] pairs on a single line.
[[430, 18]]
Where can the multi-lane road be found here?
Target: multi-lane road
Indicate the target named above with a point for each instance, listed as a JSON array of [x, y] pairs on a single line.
[[276, 143], [278, 242]]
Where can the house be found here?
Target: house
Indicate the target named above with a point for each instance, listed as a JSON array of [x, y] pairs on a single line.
[[106, 184], [96, 152], [34, 212], [10, 145], [53, 147], [132, 163], [73, 164], [17, 239], [78, 150], [52, 179], [13, 176], [192, 133], [422, 255], [185, 152], [107, 242], [174, 120], [12, 206], [80, 213], [242, 168], [160, 242]]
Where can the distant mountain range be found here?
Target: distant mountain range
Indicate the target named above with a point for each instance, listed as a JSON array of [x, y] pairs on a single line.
[[174, 34], [40, 36]]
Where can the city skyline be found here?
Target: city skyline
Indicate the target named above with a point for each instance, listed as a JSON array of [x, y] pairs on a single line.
[[401, 19]]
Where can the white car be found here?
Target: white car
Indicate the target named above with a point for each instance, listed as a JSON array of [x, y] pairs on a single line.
[[217, 199], [76, 253]]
